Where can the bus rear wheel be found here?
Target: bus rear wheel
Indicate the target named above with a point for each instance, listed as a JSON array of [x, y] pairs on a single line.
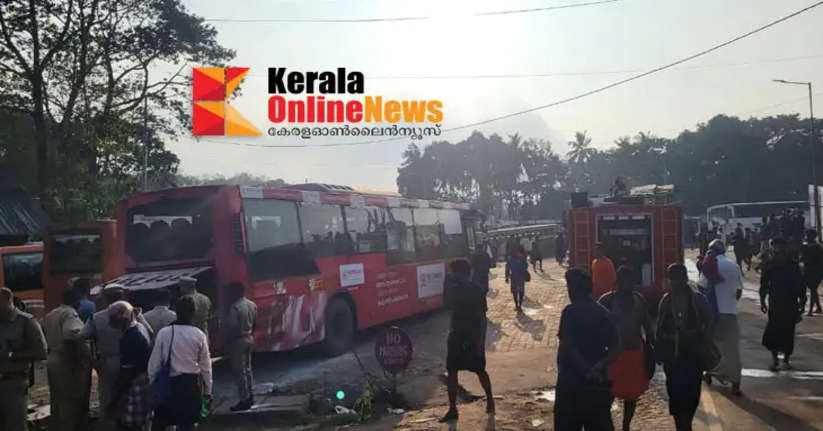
[[339, 328]]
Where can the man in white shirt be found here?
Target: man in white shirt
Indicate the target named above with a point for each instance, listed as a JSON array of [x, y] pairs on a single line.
[[726, 328], [187, 349]]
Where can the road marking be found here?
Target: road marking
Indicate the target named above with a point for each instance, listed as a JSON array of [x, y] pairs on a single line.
[[712, 418], [792, 374]]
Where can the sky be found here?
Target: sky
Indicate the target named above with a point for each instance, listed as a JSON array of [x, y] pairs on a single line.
[[606, 43]]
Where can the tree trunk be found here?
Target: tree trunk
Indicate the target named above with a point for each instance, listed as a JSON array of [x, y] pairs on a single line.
[[41, 129]]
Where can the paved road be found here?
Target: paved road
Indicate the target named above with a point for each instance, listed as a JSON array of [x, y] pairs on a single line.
[[521, 352], [786, 400]]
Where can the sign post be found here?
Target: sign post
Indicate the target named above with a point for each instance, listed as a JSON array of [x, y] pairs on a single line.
[[393, 351]]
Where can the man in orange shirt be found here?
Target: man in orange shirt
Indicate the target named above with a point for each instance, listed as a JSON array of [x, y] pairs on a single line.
[[604, 277]]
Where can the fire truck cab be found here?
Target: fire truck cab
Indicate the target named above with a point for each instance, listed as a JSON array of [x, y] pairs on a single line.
[[641, 229]]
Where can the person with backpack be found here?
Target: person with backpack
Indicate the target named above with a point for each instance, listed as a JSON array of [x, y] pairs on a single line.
[[181, 358], [517, 273], [682, 344], [630, 372]]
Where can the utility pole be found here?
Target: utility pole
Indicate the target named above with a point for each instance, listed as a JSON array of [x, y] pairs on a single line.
[[812, 145], [145, 145]]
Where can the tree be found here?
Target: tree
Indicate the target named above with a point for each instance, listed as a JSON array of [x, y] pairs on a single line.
[[82, 71], [241, 179]]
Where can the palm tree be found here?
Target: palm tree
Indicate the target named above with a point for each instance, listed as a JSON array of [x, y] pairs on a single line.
[[580, 151]]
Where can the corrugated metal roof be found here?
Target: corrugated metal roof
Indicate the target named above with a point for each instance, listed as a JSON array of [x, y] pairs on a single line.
[[20, 214]]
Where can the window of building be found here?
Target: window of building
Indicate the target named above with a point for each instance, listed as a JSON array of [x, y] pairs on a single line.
[[400, 236], [21, 271], [273, 240], [323, 232], [367, 229]]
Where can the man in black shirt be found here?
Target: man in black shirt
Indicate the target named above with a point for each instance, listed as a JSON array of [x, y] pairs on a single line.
[[812, 255], [588, 344]]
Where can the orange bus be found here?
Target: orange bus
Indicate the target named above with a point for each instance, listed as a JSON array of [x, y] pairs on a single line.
[[22, 266], [83, 250]]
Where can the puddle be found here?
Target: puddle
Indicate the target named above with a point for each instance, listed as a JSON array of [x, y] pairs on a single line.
[[808, 398]]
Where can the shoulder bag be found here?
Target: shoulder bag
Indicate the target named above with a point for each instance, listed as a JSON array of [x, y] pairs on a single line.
[[161, 391]]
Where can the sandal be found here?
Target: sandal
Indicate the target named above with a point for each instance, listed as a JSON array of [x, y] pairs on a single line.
[[451, 415]]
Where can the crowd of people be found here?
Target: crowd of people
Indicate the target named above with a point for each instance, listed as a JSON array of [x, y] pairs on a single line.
[[153, 369]]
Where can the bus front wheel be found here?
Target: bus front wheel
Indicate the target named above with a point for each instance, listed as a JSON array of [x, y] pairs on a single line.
[[339, 327]]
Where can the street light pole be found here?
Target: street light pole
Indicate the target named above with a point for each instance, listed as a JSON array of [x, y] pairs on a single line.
[[812, 145]]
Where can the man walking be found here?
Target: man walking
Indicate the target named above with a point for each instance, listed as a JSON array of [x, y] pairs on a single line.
[[812, 258], [589, 343], [629, 374], [781, 297], [202, 303], [160, 316], [130, 403], [517, 273], [241, 321], [726, 331], [69, 366], [107, 352], [21, 344], [466, 350]]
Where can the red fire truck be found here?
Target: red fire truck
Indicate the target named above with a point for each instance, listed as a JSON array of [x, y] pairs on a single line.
[[641, 230]]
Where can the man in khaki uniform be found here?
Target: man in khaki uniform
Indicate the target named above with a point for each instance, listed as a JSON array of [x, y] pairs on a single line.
[[69, 366], [21, 343], [241, 320], [202, 303], [107, 352]]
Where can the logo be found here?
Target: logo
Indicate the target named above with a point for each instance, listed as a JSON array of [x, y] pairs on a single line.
[[211, 113]]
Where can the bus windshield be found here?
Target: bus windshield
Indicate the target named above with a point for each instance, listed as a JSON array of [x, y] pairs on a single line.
[[169, 230], [76, 252]]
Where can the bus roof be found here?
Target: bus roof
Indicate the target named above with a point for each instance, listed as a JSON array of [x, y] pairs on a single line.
[[757, 203], [341, 197]]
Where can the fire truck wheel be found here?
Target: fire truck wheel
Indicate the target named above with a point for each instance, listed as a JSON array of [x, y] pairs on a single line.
[[339, 327]]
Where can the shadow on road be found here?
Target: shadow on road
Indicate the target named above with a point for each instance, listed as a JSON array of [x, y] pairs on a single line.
[[537, 328], [775, 418]]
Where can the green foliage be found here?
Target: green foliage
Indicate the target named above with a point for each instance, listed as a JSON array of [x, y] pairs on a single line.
[[99, 83], [723, 160], [363, 403]]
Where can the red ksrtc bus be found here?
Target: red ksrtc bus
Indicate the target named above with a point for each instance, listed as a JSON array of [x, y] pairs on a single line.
[[319, 261], [645, 237], [83, 250]]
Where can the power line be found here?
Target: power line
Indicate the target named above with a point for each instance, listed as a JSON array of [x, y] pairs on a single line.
[[402, 18], [561, 101], [575, 73]]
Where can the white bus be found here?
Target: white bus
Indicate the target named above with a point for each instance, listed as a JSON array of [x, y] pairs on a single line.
[[750, 214]]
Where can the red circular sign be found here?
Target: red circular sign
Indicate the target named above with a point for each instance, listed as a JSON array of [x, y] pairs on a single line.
[[393, 350]]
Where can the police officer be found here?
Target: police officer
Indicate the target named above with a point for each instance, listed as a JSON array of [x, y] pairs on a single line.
[[107, 351], [21, 344], [202, 303], [241, 320], [69, 366]]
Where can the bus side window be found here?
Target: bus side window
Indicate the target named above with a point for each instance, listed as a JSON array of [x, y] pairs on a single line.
[[429, 234], [274, 246], [323, 232], [399, 236], [366, 229], [455, 238]]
